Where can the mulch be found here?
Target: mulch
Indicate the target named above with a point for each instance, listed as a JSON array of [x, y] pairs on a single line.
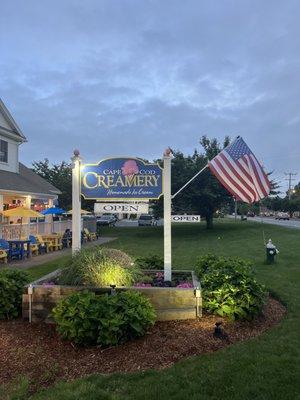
[[36, 351]]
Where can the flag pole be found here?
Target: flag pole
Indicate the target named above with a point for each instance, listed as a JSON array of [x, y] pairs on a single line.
[[198, 173], [184, 186]]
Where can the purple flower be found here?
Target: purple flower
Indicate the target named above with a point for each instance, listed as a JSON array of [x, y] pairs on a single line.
[[48, 284]]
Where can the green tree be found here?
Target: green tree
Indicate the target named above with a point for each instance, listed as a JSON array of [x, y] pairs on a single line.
[[204, 195], [60, 175]]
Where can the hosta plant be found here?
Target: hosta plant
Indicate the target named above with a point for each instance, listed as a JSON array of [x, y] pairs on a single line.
[[12, 284], [105, 320], [229, 287]]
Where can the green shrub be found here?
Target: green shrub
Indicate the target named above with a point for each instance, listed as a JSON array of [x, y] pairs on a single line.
[[100, 267], [105, 320], [150, 262], [12, 282], [229, 287]]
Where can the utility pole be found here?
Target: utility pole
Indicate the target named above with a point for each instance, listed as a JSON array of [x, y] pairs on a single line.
[[290, 179], [235, 208]]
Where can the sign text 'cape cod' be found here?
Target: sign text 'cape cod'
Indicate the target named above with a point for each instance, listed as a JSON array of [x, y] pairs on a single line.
[[121, 178]]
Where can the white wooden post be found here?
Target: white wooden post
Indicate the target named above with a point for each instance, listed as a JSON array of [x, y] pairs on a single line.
[[167, 215], [28, 205], [76, 203]]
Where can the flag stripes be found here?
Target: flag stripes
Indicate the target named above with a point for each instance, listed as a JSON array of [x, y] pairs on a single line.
[[240, 173]]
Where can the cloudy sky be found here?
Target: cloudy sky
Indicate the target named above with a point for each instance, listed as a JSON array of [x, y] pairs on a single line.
[[130, 77]]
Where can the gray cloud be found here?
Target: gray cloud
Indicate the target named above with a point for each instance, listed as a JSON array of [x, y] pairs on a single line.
[[132, 77]]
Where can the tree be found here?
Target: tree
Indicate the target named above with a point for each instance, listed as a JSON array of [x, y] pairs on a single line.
[[205, 195], [60, 175]]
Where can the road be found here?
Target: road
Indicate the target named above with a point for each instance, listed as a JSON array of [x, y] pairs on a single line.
[[132, 223], [292, 223]]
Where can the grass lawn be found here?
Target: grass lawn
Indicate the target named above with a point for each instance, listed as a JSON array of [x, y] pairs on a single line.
[[265, 368], [44, 269]]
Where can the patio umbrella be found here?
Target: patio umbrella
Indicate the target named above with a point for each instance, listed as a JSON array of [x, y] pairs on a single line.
[[82, 212], [53, 211], [22, 212]]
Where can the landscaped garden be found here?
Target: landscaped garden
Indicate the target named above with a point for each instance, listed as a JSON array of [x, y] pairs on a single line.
[[230, 289]]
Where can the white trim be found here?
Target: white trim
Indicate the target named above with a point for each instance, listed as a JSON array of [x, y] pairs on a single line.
[[8, 117]]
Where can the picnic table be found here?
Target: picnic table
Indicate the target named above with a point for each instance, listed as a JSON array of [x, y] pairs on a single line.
[[54, 241], [19, 248]]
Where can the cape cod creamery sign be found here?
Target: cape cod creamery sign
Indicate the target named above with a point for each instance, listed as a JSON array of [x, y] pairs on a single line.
[[121, 178]]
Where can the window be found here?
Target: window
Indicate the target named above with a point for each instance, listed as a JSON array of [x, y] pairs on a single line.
[[3, 151]]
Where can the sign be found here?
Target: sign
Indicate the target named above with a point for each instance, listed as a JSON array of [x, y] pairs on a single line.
[[124, 208], [185, 218], [121, 178]]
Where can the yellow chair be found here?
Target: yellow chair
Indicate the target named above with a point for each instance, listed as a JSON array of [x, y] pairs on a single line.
[[90, 235], [44, 242], [33, 247], [3, 256]]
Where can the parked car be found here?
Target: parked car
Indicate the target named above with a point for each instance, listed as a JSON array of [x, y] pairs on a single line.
[[145, 220], [283, 215], [114, 217], [250, 214], [106, 220]]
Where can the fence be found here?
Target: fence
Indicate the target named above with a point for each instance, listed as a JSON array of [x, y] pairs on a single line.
[[16, 231]]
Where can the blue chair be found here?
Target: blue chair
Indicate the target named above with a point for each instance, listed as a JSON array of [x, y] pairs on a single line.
[[14, 251], [4, 245]]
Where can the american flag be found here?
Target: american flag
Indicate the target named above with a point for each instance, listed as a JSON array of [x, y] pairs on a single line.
[[237, 168]]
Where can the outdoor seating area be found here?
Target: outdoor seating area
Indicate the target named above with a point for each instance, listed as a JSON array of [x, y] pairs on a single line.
[[33, 245]]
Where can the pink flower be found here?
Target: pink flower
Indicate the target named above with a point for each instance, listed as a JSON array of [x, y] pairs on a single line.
[[186, 285], [130, 167], [159, 275], [48, 284]]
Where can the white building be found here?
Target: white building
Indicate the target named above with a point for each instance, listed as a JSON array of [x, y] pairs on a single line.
[[19, 185]]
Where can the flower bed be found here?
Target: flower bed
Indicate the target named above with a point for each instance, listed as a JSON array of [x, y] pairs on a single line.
[[180, 279], [174, 302]]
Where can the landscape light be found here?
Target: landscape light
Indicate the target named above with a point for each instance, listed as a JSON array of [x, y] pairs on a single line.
[[113, 291]]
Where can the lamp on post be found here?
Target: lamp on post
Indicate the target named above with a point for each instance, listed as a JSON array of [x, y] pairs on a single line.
[[76, 202]]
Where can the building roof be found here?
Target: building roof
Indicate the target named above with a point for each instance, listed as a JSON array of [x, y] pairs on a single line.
[[11, 128], [26, 181]]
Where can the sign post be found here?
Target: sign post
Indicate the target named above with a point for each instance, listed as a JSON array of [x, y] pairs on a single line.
[[167, 215], [76, 203]]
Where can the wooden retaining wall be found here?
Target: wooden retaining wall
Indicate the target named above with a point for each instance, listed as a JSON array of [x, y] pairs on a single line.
[[169, 303]]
